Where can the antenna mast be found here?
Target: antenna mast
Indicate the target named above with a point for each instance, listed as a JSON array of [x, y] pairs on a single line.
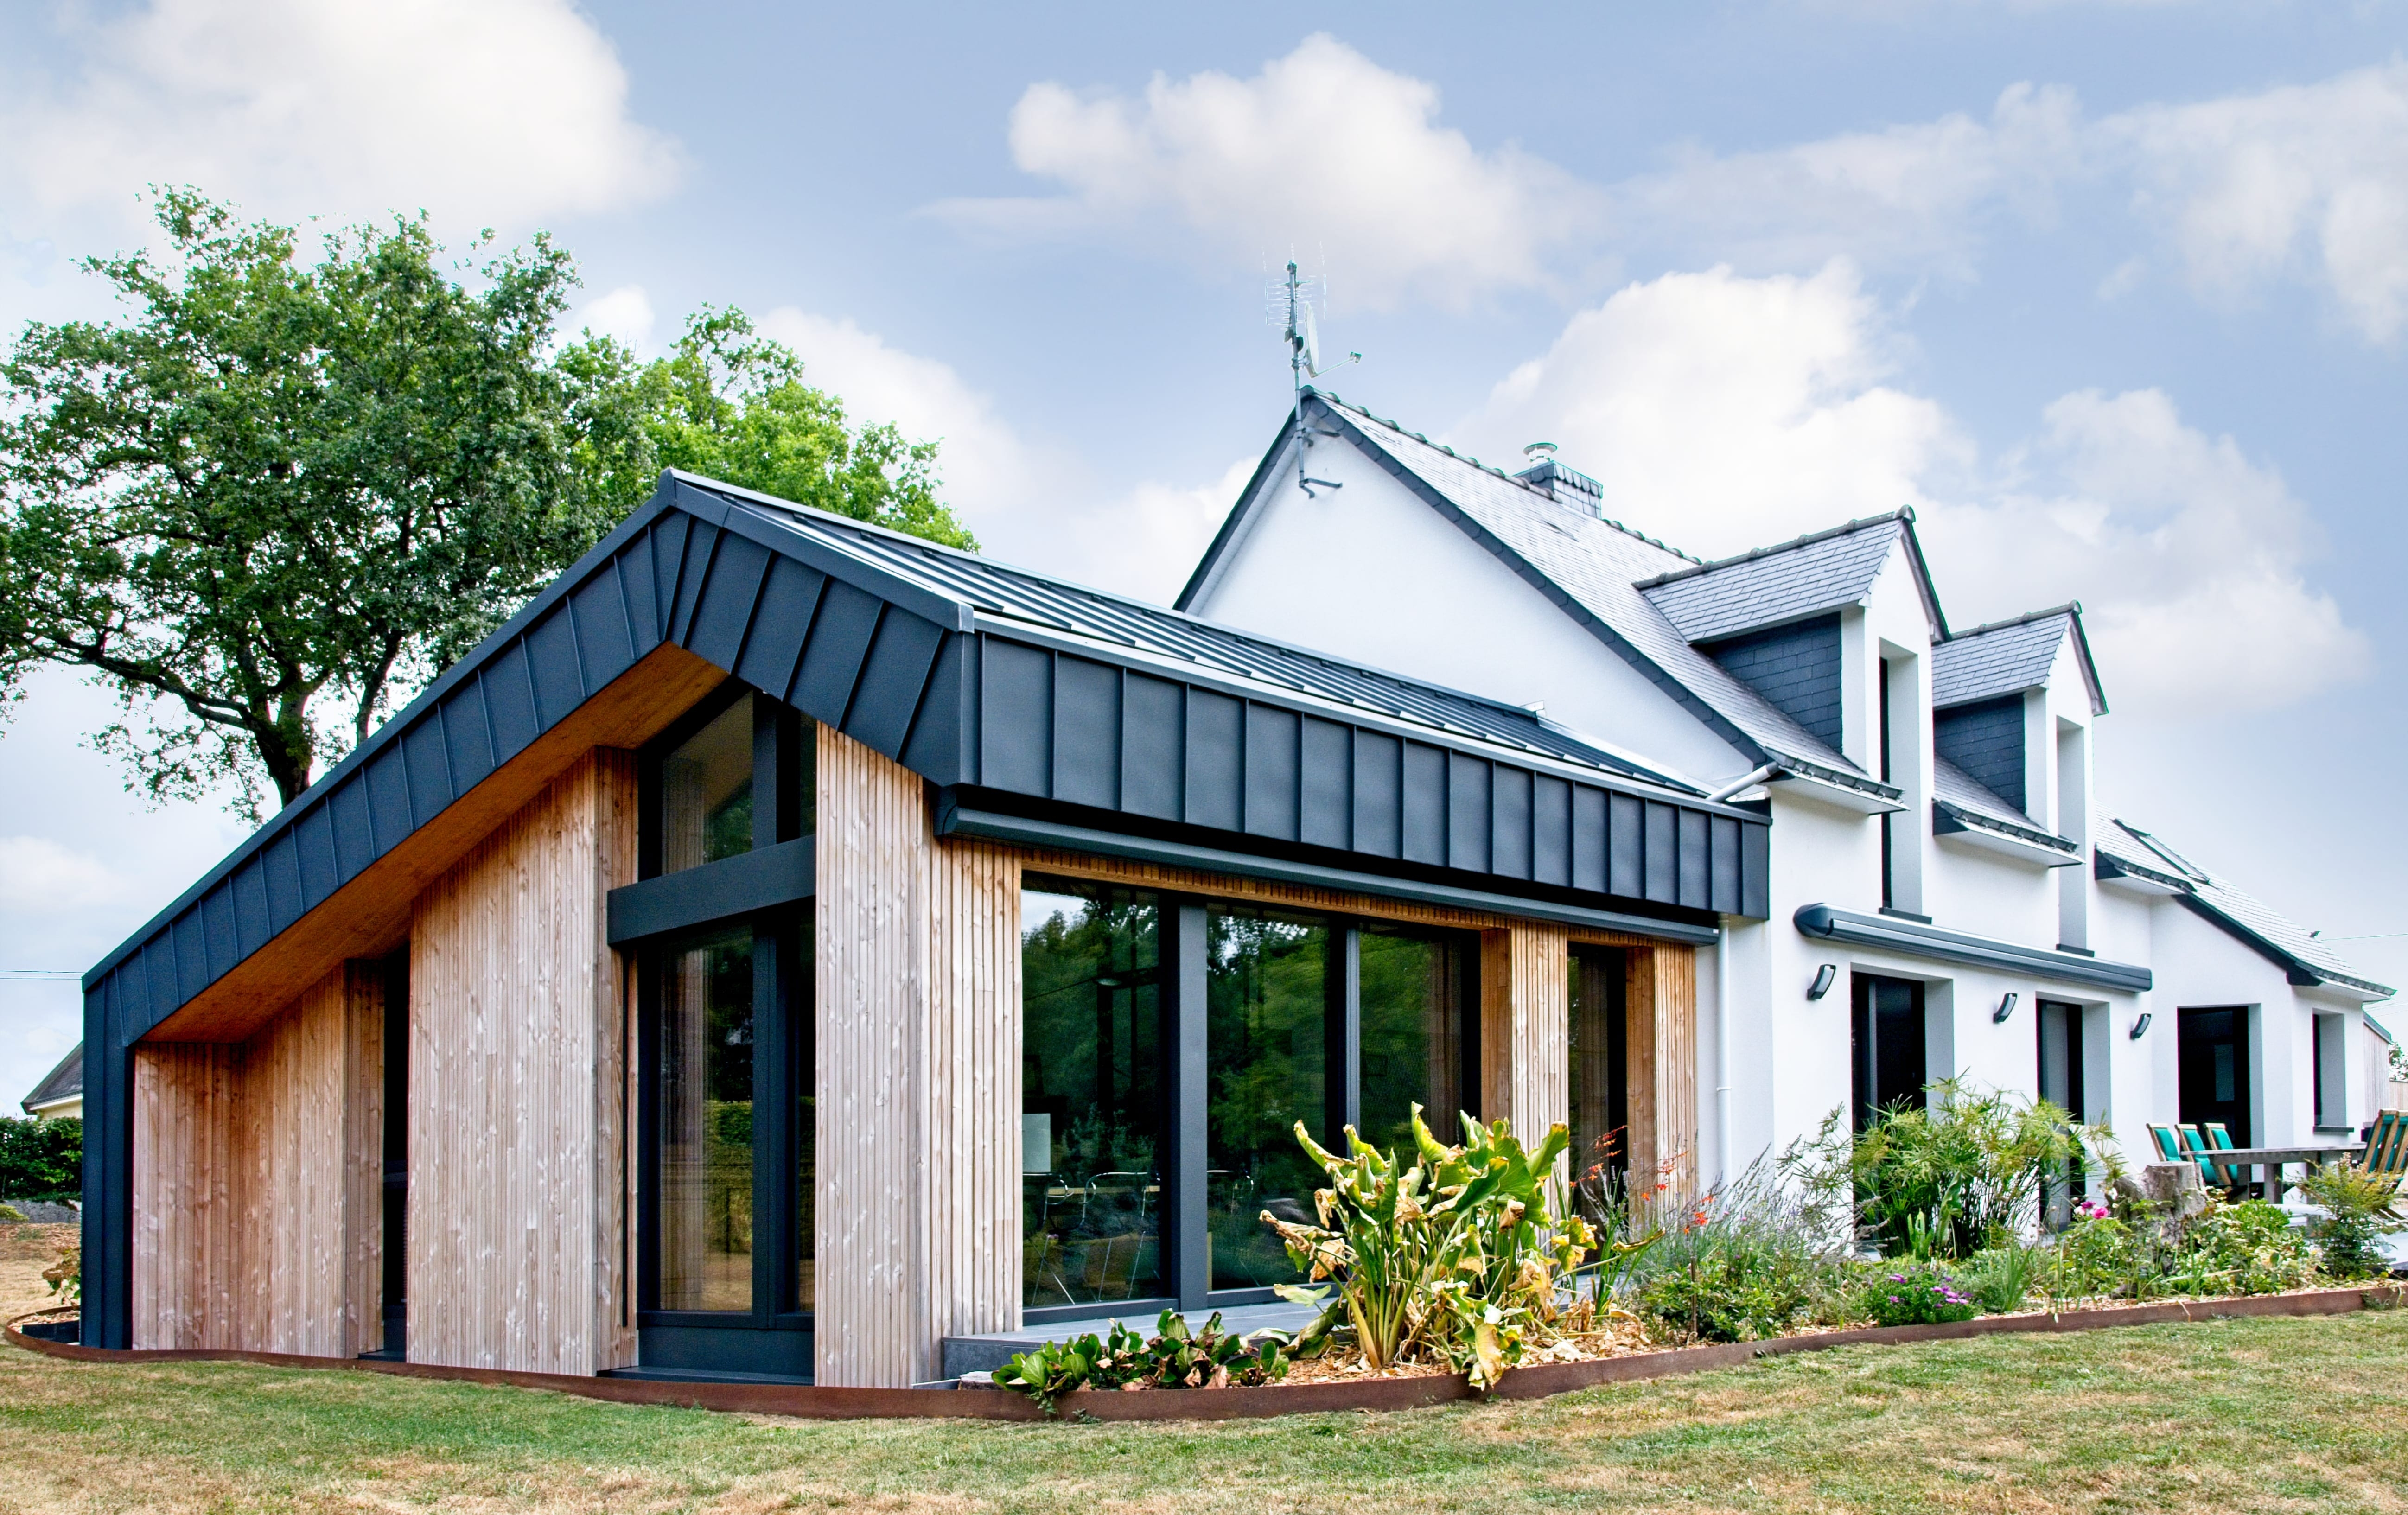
[[1292, 308]]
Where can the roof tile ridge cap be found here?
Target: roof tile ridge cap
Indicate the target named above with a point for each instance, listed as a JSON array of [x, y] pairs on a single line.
[[1903, 513], [2071, 607]]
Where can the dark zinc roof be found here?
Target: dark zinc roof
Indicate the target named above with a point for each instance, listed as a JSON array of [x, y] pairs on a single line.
[[1015, 690], [1774, 585]]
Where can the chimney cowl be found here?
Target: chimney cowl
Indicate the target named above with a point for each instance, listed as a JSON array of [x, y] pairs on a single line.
[[1538, 452]]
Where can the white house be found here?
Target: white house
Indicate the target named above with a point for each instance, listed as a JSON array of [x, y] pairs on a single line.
[[1949, 895]]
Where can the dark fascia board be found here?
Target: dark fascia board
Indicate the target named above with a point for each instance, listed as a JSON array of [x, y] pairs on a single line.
[[2297, 971], [2071, 610], [706, 499], [1915, 939], [1643, 782], [760, 879], [1713, 720], [1923, 584], [2106, 865], [1788, 764], [956, 819], [1947, 815], [1234, 522]]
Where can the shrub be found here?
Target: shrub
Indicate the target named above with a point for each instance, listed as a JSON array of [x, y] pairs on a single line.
[[1741, 1264], [1173, 1358], [1954, 1177], [1999, 1280], [1454, 1256], [41, 1159], [2246, 1249], [65, 1276], [1916, 1297], [2360, 1210]]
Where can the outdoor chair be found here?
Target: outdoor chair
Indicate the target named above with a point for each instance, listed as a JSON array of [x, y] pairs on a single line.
[[2170, 1147], [2194, 1147], [2387, 1145], [2219, 1139]]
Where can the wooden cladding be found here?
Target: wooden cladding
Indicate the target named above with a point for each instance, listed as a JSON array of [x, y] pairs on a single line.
[[258, 1220], [1662, 997], [918, 1006], [1525, 1026], [518, 1081]]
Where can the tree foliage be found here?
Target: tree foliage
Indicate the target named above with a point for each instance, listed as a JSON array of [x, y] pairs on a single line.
[[41, 1159], [277, 496]]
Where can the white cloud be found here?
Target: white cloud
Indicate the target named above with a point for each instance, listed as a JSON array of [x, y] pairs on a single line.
[[624, 314], [2307, 181], [1918, 194], [483, 111], [1723, 413], [1030, 501], [41, 877], [1323, 153]]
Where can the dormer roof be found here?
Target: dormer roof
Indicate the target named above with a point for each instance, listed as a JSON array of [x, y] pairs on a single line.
[[1770, 586], [63, 1082], [2125, 848], [2008, 657]]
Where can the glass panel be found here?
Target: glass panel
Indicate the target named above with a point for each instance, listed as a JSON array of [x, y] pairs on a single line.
[[706, 1124], [805, 1042], [707, 792], [1601, 1092], [1412, 1036], [1267, 1043], [1091, 1095]]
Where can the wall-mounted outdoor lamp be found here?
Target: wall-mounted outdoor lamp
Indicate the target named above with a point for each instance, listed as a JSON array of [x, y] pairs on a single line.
[[2006, 1008], [2141, 1026], [1823, 977]]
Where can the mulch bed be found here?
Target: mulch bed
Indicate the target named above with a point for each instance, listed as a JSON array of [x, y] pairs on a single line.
[[1403, 1389]]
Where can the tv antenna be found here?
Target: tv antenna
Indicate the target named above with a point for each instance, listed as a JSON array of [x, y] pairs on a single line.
[[1292, 302]]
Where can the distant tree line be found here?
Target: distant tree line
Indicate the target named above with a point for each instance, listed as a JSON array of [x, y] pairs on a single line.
[[41, 1159], [277, 496]]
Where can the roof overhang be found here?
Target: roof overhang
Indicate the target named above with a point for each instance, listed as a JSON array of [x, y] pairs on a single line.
[[1832, 789], [1912, 938], [1957, 826], [49, 1108], [2134, 877], [2297, 971]]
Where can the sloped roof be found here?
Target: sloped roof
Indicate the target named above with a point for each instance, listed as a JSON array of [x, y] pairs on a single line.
[[1772, 585], [65, 1081], [2301, 955], [1953, 785], [1589, 565], [2007, 657], [983, 679]]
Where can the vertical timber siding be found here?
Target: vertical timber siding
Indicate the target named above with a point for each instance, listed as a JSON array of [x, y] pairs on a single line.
[[1525, 1026], [918, 1002], [518, 1177], [1663, 1058], [257, 1208]]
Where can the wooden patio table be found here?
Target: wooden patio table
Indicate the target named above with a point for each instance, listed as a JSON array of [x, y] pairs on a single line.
[[2273, 1159]]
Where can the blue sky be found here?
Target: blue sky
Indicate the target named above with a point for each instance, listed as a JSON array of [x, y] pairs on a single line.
[[2115, 295]]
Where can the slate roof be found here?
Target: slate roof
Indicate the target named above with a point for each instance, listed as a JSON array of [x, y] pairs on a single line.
[[2242, 915], [65, 1081], [1953, 785], [2007, 657], [1594, 564], [998, 589], [1773, 585]]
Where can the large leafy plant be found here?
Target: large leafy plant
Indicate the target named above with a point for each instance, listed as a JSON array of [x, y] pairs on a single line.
[[1175, 1357], [1453, 1256]]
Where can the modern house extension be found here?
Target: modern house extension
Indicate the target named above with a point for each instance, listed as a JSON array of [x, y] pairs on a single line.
[[1948, 892], [786, 945]]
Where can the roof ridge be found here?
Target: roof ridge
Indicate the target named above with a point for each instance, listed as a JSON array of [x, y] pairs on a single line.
[[2071, 607], [1331, 397], [1904, 512]]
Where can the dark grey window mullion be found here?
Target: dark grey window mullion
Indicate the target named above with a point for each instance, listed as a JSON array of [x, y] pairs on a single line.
[[1343, 1075], [1182, 949], [773, 1218]]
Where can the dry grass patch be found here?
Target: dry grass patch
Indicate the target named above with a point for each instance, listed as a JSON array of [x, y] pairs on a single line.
[[2261, 1415]]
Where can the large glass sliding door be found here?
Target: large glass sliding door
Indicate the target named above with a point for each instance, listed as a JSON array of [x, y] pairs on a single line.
[[1161, 1087]]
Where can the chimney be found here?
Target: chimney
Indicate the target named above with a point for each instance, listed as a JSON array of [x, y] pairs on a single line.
[[1566, 485]]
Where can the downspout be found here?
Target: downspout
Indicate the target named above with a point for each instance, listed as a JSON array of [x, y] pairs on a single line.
[[1722, 1059], [1752, 777]]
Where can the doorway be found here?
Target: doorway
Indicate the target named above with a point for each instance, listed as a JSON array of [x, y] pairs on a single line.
[[2060, 1084], [1600, 1068], [1887, 1045], [2213, 1059]]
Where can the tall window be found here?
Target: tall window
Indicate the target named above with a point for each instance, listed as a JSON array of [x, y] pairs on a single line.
[[1414, 1049], [1092, 1103], [1601, 1092], [722, 944], [1268, 1051], [1887, 1045]]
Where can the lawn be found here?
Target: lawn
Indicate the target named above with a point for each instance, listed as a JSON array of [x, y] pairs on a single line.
[[2239, 1415]]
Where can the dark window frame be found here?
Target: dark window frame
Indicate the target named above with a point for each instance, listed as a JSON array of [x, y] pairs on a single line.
[[773, 1337]]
